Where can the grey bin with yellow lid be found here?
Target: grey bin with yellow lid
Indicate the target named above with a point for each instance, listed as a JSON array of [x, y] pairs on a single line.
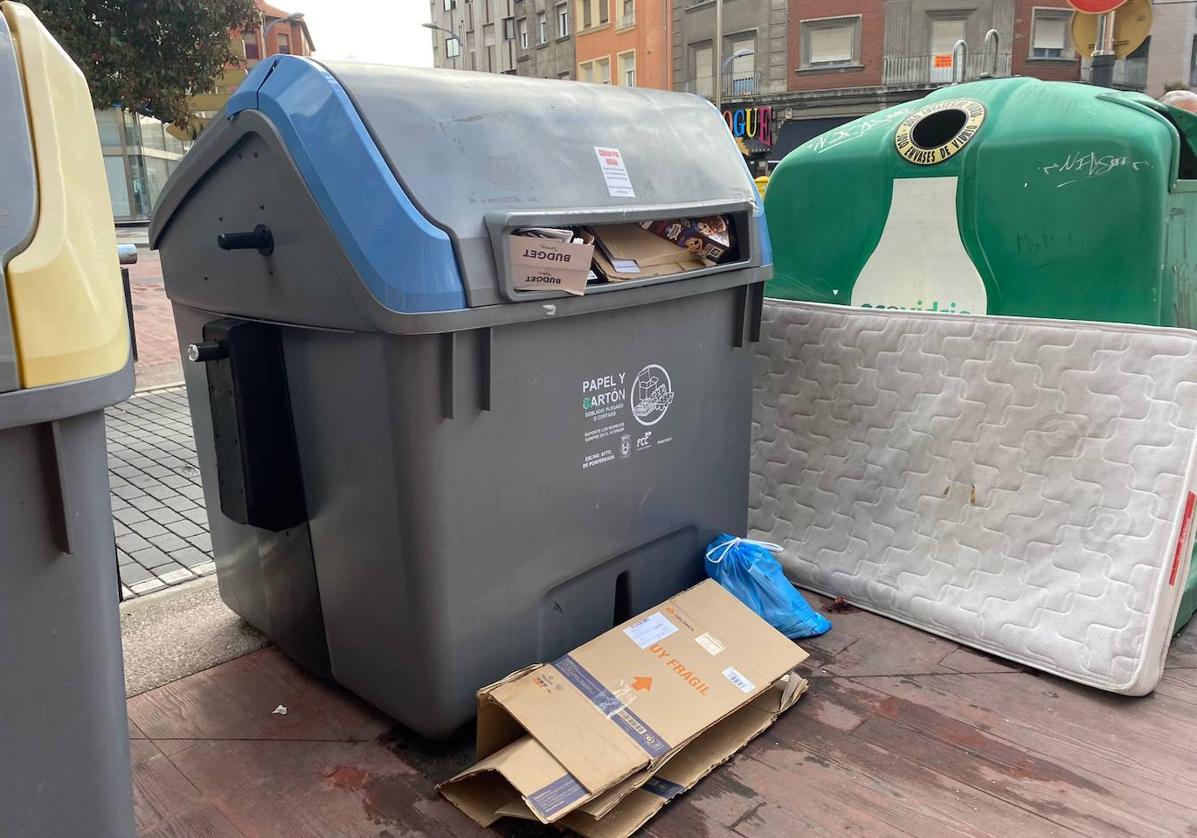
[[64, 357]]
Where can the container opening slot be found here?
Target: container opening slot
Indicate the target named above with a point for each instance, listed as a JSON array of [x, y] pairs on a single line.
[[622, 611], [582, 258]]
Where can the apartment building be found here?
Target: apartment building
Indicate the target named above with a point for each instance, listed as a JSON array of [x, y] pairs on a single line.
[[474, 35], [849, 58], [140, 152], [522, 37], [1171, 48], [753, 54], [623, 42], [792, 69], [545, 38]]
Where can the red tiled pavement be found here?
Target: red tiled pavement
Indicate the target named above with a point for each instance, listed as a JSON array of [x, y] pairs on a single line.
[[158, 362], [901, 733]]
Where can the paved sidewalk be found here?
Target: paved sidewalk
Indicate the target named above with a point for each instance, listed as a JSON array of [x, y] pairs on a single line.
[[901, 734], [157, 499], [158, 362]]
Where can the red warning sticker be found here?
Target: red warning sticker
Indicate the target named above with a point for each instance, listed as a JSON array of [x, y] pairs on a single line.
[[1186, 524]]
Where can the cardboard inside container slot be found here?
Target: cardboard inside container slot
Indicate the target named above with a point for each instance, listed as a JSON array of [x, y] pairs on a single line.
[[684, 264], [631, 241], [545, 264]]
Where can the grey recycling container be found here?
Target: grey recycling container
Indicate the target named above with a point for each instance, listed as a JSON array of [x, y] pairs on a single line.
[[418, 477], [64, 356]]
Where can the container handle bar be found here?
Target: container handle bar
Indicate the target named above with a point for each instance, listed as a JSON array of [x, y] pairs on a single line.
[[992, 38], [958, 69]]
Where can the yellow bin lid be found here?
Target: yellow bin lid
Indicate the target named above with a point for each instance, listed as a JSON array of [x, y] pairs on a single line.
[[64, 288]]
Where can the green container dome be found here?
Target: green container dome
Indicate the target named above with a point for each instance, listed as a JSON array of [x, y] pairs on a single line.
[[1002, 196]]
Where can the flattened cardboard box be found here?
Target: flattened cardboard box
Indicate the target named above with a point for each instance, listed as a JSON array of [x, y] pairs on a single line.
[[683, 264], [633, 242], [586, 731], [706, 752], [548, 265]]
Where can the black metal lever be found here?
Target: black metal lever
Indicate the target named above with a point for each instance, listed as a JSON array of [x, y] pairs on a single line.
[[259, 239]]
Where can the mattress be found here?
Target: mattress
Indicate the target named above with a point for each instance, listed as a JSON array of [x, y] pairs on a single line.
[[1021, 486]]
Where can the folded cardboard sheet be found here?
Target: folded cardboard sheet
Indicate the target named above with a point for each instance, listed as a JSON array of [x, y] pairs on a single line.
[[593, 732]]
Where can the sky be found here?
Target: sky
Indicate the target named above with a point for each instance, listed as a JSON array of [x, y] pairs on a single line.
[[381, 31]]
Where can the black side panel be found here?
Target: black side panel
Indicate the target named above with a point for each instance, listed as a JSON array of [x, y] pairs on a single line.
[[257, 461]]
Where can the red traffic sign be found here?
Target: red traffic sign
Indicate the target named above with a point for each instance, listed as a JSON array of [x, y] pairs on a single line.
[[1095, 7]]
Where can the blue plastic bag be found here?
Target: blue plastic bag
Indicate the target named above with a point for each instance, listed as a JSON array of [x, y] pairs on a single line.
[[747, 569]]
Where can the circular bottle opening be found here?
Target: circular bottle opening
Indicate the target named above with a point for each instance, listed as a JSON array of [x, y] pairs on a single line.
[[939, 128]]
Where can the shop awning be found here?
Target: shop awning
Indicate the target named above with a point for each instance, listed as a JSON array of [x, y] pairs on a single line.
[[795, 132], [751, 146]]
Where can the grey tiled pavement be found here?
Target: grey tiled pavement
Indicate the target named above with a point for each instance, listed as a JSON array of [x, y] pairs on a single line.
[[157, 500]]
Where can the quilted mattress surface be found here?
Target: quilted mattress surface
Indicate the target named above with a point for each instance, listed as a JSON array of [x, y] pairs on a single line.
[[1021, 486]]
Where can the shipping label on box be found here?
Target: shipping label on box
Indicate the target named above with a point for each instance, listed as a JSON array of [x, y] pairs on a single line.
[[549, 265]]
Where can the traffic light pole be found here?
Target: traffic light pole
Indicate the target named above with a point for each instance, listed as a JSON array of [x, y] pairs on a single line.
[[1101, 72]]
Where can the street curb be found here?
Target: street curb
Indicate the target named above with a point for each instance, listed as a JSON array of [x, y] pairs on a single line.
[[157, 388], [141, 601]]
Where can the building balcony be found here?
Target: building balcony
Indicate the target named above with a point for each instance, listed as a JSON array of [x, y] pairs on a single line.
[[1129, 73], [919, 71], [735, 85]]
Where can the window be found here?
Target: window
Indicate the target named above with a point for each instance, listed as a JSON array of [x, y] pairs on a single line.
[[284, 43], [110, 127], [563, 75], [542, 28], [562, 23], [586, 13], [830, 42], [521, 28], [1049, 34], [1193, 64], [118, 186], [702, 69], [627, 69], [151, 133], [945, 32], [740, 78], [252, 52], [452, 47], [627, 13], [450, 5], [598, 70], [604, 7], [508, 29]]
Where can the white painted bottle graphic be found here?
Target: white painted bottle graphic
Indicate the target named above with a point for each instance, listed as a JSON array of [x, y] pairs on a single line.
[[920, 263]]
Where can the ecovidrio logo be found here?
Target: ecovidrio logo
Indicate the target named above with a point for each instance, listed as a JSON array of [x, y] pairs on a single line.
[[652, 394]]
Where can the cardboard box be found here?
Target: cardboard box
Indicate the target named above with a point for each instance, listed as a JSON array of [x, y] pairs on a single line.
[[709, 237], [632, 242], [682, 262], [693, 679], [704, 754], [542, 264]]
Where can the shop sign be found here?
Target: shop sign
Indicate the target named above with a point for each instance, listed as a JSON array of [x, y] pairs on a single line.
[[751, 122]]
